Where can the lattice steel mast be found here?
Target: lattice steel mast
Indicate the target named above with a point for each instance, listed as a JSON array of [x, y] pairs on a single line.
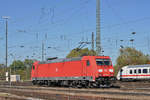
[[98, 40]]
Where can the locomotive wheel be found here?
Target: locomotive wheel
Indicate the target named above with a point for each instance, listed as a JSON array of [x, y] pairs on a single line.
[[90, 85], [49, 83], [34, 82]]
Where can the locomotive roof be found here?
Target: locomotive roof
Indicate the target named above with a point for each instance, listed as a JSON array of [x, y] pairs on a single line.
[[135, 66], [61, 60]]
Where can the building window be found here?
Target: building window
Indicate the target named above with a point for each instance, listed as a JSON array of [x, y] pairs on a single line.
[[88, 63], [130, 71], [139, 71], [144, 70]]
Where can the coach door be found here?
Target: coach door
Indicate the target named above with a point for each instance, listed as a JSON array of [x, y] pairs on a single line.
[[121, 75], [135, 74]]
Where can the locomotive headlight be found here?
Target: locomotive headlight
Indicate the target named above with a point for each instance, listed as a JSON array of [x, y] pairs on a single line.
[[100, 70], [111, 70]]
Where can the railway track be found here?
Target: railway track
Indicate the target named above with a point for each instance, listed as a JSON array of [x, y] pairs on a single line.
[[113, 93], [87, 91], [134, 85], [118, 85], [138, 91]]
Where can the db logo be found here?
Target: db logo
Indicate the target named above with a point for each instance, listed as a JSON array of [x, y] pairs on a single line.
[[56, 69], [105, 70]]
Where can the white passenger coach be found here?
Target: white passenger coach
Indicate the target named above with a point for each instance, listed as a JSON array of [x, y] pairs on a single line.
[[134, 72]]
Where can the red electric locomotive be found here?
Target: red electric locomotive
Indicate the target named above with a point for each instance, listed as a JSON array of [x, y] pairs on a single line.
[[86, 71]]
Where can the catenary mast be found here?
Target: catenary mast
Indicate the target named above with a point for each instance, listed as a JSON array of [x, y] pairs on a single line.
[[98, 40]]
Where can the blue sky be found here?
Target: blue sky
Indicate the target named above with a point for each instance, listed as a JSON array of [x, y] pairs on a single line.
[[62, 24]]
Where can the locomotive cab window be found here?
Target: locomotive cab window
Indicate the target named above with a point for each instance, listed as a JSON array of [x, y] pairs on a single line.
[[88, 63], [130, 71], [103, 62], [144, 70], [139, 71], [99, 63]]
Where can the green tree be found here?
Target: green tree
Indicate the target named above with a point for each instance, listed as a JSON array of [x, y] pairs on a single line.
[[2, 65], [2, 72], [28, 63], [130, 56], [81, 52], [17, 64], [22, 68]]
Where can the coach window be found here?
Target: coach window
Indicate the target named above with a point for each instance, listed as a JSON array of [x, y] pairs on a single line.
[[135, 71], [121, 70], [130, 71], [139, 71], [144, 70], [88, 63]]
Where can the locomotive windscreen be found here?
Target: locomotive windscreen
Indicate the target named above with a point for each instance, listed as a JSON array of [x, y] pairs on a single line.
[[103, 62]]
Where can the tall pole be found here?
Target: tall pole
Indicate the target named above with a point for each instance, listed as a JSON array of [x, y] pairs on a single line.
[[98, 40], [6, 41], [93, 41], [6, 59], [6, 18]]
